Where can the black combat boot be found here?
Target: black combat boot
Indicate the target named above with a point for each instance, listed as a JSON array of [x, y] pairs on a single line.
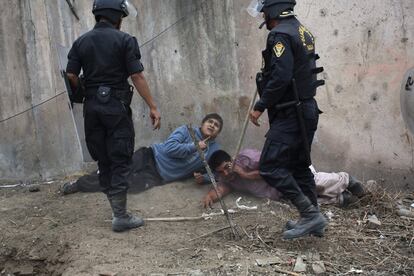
[[311, 220], [290, 224], [355, 187], [121, 220]]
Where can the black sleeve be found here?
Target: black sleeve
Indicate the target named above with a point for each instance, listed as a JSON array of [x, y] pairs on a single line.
[[74, 61], [133, 56], [282, 63]]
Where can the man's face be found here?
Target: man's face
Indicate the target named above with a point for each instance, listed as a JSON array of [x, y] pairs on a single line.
[[225, 172], [210, 128]]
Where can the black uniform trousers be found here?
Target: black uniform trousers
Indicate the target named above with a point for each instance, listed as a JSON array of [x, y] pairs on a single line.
[[283, 161], [144, 174], [110, 136]]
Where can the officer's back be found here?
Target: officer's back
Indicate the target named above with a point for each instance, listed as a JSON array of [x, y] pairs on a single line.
[[108, 57], [102, 53]]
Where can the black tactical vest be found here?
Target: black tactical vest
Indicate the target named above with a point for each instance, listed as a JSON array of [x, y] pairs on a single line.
[[303, 47]]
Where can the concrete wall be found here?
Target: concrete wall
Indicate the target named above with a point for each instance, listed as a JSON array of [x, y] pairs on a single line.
[[206, 62]]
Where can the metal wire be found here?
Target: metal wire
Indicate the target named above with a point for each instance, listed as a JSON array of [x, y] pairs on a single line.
[[188, 15]]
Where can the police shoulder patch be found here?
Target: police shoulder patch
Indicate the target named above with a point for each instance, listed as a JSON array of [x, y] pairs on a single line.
[[279, 49]]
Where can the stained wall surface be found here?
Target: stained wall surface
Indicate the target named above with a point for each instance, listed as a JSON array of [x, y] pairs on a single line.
[[201, 57]]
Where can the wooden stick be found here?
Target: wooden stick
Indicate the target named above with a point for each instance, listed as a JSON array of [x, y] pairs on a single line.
[[213, 181], [245, 124], [175, 219], [210, 233], [286, 272]]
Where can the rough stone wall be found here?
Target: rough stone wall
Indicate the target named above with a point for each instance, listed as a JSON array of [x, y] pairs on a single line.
[[204, 60]]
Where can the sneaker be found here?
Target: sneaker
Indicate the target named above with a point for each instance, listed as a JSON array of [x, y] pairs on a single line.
[[355, 187], [69, 188], [347, 199]]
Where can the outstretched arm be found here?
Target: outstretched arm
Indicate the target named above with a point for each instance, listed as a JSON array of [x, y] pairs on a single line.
[[212, 197]]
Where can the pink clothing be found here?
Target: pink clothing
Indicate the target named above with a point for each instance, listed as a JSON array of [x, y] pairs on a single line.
[[248, 160], [329, 186]]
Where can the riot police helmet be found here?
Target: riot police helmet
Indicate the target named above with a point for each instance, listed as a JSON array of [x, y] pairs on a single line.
[[273, 9], [113, 10]]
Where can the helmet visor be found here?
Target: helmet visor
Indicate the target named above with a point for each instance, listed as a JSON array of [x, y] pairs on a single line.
[[129, 8], [255, 8]]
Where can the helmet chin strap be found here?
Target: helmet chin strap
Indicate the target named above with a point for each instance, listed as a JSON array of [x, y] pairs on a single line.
[[261, 25]]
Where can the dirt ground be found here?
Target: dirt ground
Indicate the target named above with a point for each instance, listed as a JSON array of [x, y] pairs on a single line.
[[44, 233]]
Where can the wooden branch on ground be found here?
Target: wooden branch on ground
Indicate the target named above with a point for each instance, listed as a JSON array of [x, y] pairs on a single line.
[[175, 219], [210, 233], [286, 272]]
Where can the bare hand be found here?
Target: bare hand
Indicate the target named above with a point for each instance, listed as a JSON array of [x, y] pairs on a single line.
[[207, 202], [254, 117], [238, 170], [155, 118], [203, 144], [199, 178]]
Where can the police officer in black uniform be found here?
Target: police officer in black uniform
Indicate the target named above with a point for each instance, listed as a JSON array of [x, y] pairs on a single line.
[[108, 57], [289, 57]]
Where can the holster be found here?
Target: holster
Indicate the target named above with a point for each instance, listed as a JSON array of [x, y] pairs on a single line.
[[124, 96], [104, 93]]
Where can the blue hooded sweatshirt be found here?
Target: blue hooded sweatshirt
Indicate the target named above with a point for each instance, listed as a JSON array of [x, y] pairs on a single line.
[[177, 158]]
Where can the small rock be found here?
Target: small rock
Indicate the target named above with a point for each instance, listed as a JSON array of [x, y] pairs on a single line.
[[318, 267], [371, 185], [313, 256], [300, 266], [373, 222], [405, 213], [196, 273], [26, 270], [268, 261], [219, 256], [35, 255], [274, 229], [34, 188]]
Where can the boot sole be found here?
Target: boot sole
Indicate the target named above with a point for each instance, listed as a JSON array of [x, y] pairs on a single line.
[[317, 233], [315, 230], [123, 228]]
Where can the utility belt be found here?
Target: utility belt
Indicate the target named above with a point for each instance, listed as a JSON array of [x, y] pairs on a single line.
[[104, 93], [288, 109]]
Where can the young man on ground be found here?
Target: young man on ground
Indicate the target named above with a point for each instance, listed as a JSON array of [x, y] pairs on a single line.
[[175, 159], [332, 188]]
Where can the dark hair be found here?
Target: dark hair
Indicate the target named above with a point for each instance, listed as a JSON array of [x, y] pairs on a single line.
[[217, 158], [113, 16], [213, 116]]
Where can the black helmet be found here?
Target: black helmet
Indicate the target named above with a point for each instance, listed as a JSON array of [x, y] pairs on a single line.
[[113, 10], [274, 9]]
